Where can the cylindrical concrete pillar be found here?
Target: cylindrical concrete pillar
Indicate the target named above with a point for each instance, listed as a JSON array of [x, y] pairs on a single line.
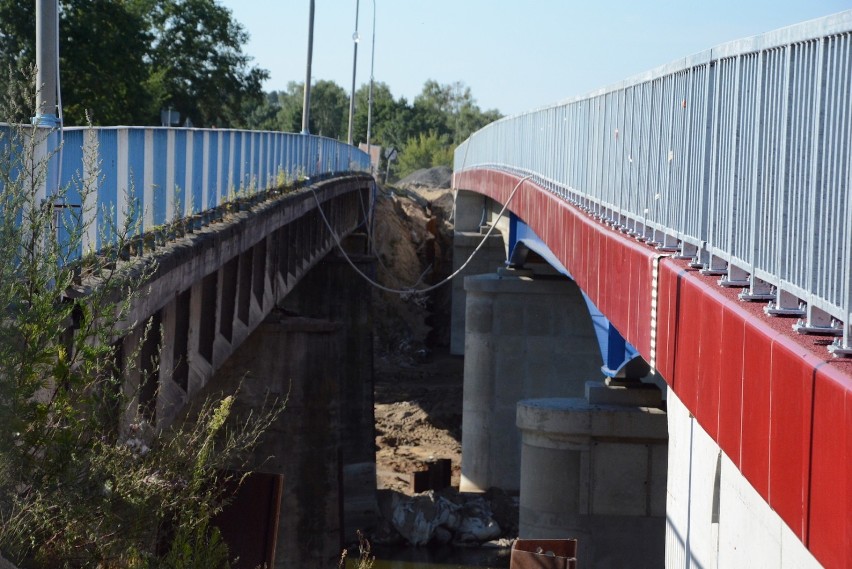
[[524, 337], [491, 256], [596, 473]]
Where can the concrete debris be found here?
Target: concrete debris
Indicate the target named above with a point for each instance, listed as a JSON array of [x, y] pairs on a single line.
[[425, 517]]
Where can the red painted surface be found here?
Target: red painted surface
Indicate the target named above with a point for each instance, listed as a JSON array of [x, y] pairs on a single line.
[[731, 385], [791, 398], [710, 364], [686, 332], [830, 497], [774, 401], [754, 445]]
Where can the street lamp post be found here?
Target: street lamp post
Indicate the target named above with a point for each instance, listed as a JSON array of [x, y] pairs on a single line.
[[47, 37], [355, 39], [370, 97], [306, 102]]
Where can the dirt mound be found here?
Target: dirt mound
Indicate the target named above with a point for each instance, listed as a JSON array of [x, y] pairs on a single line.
[[437, 177], [418, 384], [412, 240]]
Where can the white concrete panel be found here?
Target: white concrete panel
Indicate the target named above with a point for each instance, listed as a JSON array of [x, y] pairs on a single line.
[[677, 488], [749, 533], [702, 532]]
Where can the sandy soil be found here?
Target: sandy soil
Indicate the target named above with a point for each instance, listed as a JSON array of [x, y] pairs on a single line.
[[418, 417], [418, 384]]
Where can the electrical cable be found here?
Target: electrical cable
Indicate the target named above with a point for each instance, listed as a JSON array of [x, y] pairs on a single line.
[[371, 242], [434, 286]]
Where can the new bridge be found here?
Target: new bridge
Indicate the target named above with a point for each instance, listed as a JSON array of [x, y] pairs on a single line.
[[705, 209]]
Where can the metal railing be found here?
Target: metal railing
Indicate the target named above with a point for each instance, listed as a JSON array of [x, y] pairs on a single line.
[[737, 157], [172, 173]]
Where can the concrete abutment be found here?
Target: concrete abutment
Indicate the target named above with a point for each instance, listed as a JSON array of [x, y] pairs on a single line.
[[315, 350], [298, 360]]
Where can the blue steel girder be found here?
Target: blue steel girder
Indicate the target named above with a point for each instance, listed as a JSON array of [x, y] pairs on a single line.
[[620, 359]]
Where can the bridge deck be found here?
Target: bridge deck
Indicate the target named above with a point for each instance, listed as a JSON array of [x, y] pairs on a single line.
[[774, 401]]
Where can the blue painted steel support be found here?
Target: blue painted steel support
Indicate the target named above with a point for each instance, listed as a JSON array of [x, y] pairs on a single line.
[[620, 359], [513, 235]]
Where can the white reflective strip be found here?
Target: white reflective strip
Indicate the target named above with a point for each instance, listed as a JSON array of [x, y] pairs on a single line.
[[219, 180], [253, 177], [148, 190], [188, 198], [205, 172], [232, 181], [123, 178], [170, 175]]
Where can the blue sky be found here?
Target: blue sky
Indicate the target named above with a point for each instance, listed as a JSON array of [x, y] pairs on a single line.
[[515, 55]]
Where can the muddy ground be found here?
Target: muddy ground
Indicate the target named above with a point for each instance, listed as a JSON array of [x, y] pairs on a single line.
[[418, 384]]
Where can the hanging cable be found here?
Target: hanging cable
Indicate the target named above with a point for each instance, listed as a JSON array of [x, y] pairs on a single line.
[[434, 286]]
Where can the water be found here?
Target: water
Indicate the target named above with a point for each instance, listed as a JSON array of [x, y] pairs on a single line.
[[381, 564], [437, 558]]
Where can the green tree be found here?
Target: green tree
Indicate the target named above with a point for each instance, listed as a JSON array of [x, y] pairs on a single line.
[[102, 57], [103, 49], [198, 66], [264, 115], [425, 151], [289, 117], [391, 119], [329, 110], [450, 109], [125, 59]]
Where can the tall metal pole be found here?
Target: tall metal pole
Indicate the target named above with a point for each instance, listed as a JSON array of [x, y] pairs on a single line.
[[370, 98], [355, 39], [306, 102], [47, 36]]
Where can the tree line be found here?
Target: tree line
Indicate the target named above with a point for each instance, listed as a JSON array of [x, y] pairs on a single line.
[[123, 61], [425, 131]]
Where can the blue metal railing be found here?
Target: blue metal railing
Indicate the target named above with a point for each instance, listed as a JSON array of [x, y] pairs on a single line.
[[737, 157], [171, 173]]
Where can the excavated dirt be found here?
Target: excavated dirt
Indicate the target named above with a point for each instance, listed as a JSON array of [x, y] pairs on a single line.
[[418, 384]]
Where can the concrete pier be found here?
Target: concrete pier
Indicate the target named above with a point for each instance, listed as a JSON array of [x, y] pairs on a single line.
[[296, 359], [471, 211], [525, 338], [333, 291], [597, 473]]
